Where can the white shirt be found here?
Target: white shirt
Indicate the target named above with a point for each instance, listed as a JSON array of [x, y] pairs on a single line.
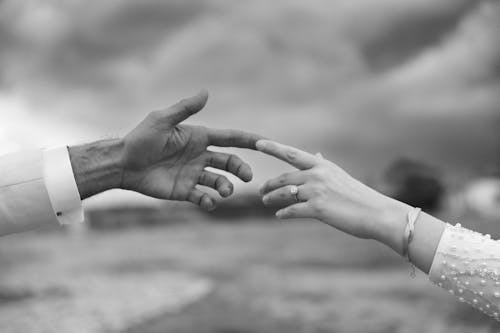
[[61, 186], [467, 265], [37, 188]]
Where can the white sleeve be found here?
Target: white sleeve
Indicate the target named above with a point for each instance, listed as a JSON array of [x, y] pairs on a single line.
[[467, 264], [61, 186], [24, 201]]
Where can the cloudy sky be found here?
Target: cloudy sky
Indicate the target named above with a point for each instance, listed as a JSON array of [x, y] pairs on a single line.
[[362, 81]]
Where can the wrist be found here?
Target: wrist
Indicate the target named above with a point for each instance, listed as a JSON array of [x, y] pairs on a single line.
[[392, 223], [97, 166]]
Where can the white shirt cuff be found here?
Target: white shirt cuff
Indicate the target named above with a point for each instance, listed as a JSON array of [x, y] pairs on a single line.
[[61, 186]]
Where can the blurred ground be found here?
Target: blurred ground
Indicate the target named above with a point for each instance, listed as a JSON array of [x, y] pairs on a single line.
[[196, 277]]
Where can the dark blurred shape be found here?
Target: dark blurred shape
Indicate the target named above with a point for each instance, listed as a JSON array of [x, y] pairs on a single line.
[[242, 206], [415, 183], [8, 295], [130, 216], [235, 209]]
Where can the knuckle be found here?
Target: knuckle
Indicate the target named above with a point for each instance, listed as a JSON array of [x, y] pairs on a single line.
[[319, 173], [208, 158], [291, 155], [233, 162], [320, 190], [282, 180], [317, 207], [235, 159]]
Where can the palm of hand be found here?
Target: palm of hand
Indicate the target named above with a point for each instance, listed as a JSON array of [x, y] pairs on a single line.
[[165, 160], [165, 164]]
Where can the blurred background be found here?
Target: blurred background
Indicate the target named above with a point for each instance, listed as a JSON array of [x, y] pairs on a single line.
[[405, 95]]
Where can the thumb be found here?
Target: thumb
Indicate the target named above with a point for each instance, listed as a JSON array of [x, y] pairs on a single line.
[[182, 110]]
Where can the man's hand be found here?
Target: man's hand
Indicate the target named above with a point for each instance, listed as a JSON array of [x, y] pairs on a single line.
[[163, 159], [166, 160]]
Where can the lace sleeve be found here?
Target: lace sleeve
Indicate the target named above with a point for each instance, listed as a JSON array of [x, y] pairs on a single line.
[[467, 264]]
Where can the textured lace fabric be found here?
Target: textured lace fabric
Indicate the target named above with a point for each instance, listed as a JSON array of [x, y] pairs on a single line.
[[467, 264]]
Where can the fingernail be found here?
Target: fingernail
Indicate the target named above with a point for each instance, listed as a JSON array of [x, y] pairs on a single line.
[[249, 176], [209, 204], [261, 144], [264, 199], [226, 191], [279, 214]]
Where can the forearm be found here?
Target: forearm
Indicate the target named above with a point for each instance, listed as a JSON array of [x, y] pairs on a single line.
[[428, 231], [422, 249], [464, 263], [97, 166]]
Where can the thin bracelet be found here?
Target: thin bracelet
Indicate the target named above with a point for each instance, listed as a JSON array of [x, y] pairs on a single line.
[[409, 234]]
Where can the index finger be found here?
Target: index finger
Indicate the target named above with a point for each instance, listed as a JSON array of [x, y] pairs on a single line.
[[296, 157], [233, 138]]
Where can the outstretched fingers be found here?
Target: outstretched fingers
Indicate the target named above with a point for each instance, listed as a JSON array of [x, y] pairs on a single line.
[[298, 210], [233, 138], [296, 157], [230, 163]]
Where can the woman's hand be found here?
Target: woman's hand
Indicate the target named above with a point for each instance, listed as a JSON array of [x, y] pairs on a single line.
[[327, 193]]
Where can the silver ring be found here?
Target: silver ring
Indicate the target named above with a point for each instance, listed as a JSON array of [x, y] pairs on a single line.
[[294, 191]]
